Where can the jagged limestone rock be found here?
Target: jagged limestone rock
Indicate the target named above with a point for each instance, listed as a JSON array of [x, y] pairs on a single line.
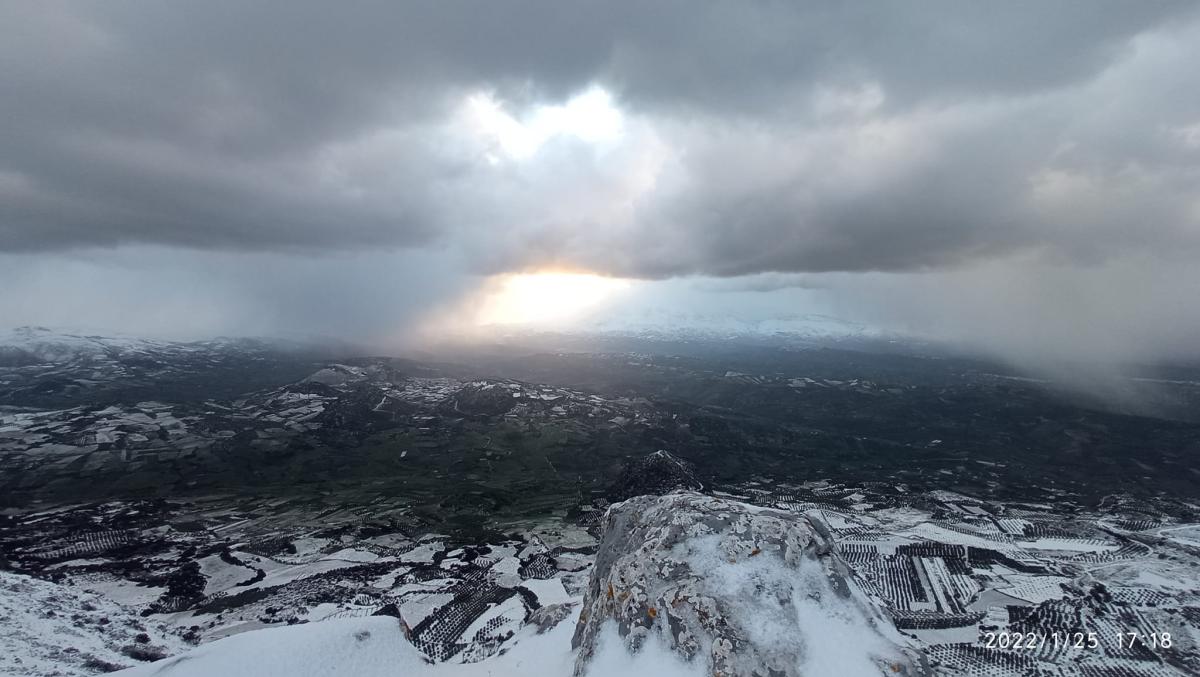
[[742, 590]]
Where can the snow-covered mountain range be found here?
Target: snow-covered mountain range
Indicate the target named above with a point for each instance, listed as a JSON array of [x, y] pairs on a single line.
[[685, 324], [41, 345]]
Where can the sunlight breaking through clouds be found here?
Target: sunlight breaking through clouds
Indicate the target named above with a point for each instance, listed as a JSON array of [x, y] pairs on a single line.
[[590, 116], [545, 299]]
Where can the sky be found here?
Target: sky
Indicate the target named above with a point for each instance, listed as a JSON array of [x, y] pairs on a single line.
[[1021, 177]]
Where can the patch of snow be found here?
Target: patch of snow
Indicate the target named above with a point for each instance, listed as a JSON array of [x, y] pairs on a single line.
[[548, 591], [352, 555], [1070, 544], [423, 554]]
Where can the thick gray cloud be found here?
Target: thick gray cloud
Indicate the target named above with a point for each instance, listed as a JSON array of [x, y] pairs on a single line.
[[793, 136], [1023, 176]]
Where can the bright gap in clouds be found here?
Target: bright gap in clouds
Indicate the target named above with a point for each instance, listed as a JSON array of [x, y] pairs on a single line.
[[589, 116], [546, 299]]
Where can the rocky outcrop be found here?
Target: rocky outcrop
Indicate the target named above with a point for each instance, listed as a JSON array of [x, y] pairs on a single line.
[[657, 473], [740, 589]]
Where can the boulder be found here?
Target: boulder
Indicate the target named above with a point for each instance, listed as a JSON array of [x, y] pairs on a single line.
[[739, 589]]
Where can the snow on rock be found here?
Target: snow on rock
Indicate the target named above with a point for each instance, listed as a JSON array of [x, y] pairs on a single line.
[[51, 629], [737, 589]]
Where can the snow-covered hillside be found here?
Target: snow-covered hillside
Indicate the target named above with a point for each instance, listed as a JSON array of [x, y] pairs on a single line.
[[32, 345], [42, 368], [42, 345]]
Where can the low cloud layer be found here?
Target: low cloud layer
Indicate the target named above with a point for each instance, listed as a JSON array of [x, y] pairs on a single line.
[[784, 145]]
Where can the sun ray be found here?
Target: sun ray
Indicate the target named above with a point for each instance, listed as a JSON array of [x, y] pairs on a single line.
[[547, 298]]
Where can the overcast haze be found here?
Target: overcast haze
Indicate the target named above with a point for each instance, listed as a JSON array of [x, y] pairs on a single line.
[[1024, 177]]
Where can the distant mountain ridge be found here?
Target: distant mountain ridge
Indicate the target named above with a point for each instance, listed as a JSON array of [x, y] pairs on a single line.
[[668, 323], [45, 368], [31, 345]]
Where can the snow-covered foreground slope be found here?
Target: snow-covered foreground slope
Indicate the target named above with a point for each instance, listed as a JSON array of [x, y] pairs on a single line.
[[375, 647], [52, 629], [354, 646]]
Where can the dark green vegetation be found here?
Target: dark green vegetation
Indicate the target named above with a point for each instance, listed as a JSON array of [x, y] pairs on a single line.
[[870, 415], [494, 437]]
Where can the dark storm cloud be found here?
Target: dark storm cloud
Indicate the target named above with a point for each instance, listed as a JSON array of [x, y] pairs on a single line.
[[790, 136]]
